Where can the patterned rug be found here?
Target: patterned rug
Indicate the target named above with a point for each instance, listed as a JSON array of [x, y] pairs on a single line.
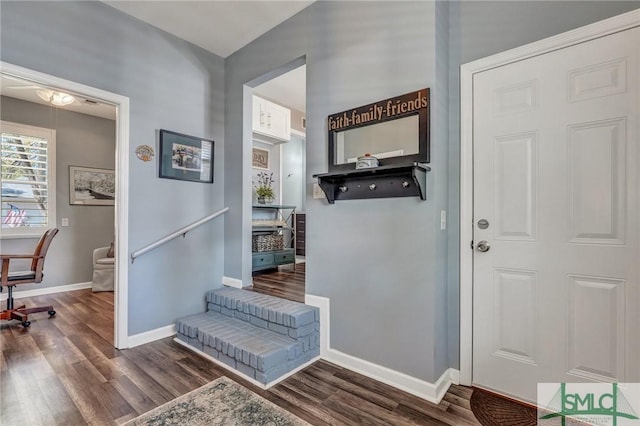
[[221, 402], [493, 410]]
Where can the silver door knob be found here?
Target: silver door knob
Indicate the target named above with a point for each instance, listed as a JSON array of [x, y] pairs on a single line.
[[483, 246]]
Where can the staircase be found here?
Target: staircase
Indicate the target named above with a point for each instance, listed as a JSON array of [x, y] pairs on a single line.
[[262, 337]]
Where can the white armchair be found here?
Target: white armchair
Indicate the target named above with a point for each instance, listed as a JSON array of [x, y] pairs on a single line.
[[103, 268]]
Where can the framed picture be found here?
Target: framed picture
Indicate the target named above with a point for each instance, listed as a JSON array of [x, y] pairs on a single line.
[[260, 159], [185, 157], [91, 187]]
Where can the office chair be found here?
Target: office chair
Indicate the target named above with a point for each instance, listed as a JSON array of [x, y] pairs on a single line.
[[33, 275]]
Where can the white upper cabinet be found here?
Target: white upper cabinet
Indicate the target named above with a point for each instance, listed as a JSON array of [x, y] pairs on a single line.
[[271, 120]]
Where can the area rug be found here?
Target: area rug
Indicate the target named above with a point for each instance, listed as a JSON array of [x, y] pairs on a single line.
[[494, 410], [221, 402]]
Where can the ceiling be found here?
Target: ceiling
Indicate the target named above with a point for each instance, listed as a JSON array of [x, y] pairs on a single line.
[[289, 89], [18, 88], [223, 27]]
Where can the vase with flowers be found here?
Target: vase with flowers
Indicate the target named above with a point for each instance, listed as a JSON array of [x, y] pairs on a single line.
[[264, 190]]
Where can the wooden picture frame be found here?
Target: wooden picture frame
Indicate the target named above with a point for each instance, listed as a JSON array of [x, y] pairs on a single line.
[[260, 159], [185, 157], [89, 186]]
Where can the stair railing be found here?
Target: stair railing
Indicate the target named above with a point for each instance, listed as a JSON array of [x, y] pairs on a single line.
[[182, 231]]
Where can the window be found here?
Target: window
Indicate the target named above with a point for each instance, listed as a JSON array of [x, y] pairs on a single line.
[[28, 180]]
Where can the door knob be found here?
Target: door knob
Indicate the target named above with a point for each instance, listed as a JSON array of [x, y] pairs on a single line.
[[483, 246]]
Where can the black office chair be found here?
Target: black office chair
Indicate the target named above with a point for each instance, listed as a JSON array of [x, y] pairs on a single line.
[[33, 275]]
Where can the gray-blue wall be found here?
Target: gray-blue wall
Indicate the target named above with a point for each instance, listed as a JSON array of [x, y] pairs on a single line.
[[172, 85], [392, 275], [377, 260]]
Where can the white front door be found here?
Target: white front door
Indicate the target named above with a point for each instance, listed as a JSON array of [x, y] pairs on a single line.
[[556, 199]]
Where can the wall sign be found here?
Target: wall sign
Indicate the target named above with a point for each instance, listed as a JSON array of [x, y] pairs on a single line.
[[397, 107], [260, 159], [395, 130]]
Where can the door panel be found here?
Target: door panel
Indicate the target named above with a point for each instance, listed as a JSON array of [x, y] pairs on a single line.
[[586, 330], [555, 176]]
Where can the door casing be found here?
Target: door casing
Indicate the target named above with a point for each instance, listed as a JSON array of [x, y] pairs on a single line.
[[467, 71], [121, 316]]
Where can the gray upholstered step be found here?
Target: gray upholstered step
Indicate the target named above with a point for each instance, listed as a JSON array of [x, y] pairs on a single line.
[[282, 316], [257, 352]]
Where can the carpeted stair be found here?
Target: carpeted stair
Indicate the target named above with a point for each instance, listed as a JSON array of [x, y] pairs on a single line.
[[260, 336]]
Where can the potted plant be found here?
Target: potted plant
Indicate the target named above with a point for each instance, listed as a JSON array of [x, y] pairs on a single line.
[[264, 191]]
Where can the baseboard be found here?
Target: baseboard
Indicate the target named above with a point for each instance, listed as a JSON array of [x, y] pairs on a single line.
[[46, 290], [455, 376], [151, 335], [432, 392], [232, 282], [241, 374]]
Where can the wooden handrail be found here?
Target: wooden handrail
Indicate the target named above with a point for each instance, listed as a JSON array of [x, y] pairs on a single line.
[[182, 231]]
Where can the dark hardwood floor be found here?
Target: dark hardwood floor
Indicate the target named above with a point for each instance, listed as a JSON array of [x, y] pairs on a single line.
[[284, 282], [65, 371]]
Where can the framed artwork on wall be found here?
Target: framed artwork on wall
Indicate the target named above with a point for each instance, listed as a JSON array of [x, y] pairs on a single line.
[[186, 157], [90, 186], [260, 159]]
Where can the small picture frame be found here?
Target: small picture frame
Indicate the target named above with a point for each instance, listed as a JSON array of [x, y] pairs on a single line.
[[90, 186], [185, 157], [260, 159]]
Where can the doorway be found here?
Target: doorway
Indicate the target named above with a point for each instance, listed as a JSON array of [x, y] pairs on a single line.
[[279, 157], [550, 289], [48, 82]]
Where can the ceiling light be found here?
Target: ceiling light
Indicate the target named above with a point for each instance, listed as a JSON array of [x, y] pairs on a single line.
[[55, 98]]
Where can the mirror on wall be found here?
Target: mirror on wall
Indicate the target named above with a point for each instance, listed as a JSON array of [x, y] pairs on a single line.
[[384, 140], [394, 130]]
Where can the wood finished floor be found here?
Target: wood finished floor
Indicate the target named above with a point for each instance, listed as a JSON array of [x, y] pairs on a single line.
[[65, 371], [284, 282]]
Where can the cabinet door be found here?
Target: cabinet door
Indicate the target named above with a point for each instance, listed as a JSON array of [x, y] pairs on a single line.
[[259, 114], [271, 119], [278, 121]]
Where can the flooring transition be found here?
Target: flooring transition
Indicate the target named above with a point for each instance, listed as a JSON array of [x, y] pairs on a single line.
[[283, 282]]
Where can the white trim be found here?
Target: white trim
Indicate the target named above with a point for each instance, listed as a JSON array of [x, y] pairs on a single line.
[[152, 335], [298, 133], [240, 373], [324, 305], [467, 71], [232, 282], [47, 290], [121, 219], [432, 392]]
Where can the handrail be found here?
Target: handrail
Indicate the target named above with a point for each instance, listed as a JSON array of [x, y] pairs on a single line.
[[182, 231]]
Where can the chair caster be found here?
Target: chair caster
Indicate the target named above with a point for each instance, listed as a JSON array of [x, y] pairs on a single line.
[[26, 324], [51, 313]]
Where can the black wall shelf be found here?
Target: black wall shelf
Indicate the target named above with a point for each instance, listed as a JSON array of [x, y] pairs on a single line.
[[396, 180]]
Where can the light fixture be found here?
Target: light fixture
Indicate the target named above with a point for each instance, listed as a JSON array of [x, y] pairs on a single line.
[[55, 98]]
